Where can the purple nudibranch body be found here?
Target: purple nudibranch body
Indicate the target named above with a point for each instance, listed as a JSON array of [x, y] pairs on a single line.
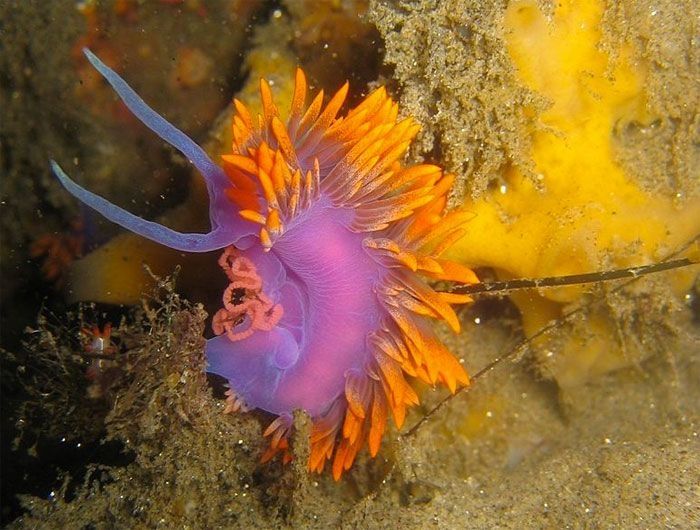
[[328, 243]]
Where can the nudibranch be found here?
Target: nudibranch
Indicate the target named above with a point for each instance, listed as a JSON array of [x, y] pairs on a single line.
[[329, 245]]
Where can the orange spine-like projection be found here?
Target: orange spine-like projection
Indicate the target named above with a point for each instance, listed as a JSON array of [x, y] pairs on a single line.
[[280, 171]]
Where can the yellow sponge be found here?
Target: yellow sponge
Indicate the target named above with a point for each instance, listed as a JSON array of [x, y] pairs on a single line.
[[581, 211]]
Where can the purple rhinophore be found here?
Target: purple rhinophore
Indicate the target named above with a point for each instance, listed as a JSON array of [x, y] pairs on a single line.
[[226, 225]]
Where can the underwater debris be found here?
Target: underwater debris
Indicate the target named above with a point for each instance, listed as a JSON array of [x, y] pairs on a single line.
[[52, 376], [519, 349], [159, 407]]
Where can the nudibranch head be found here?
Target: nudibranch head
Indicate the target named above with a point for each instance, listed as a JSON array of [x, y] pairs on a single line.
[[329, 244]]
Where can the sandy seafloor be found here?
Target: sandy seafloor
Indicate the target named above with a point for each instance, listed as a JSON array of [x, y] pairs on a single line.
[[619, 451]]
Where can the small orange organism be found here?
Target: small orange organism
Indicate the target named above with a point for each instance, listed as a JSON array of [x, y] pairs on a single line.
[[58, 251]]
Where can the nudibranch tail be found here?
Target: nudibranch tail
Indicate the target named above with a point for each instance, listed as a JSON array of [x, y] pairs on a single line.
[[226, 228]]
